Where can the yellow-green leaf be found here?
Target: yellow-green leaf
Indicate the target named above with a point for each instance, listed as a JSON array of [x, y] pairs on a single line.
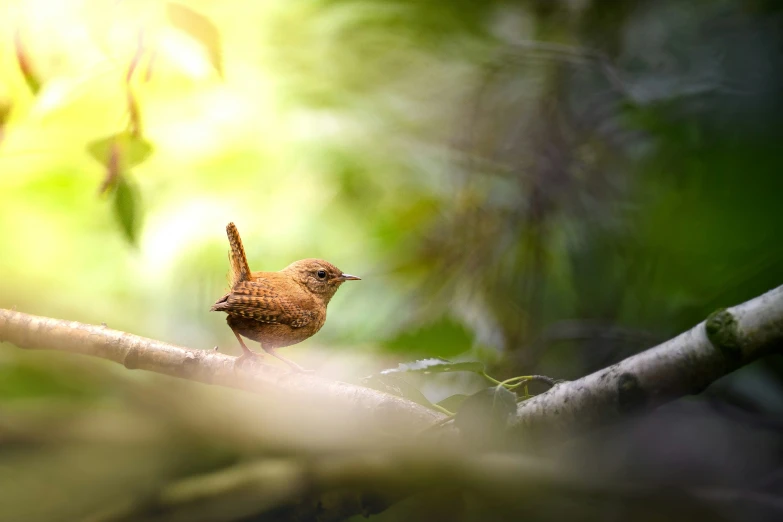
[[200, 28], [133, 150]]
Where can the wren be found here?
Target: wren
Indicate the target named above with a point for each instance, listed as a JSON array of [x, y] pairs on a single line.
[[277, 309]]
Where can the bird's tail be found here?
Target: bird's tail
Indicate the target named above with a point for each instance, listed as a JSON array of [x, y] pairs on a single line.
[[221, 304], [240, 271]]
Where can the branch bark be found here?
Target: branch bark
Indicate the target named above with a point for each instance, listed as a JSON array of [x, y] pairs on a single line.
[[687, 364], [383, 411]]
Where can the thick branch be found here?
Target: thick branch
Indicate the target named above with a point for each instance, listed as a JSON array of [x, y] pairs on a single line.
[[686, 364], [134, 352]]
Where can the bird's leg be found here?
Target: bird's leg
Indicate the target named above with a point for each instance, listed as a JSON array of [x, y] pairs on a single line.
[[247, 353], [292, 364], [245, 350]]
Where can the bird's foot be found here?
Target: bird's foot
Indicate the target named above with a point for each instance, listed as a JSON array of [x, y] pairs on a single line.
[[247, 356]]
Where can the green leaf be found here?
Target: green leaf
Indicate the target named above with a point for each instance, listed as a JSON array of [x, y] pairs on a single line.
[[200, 28], [484, 415], [442, 338], [398, 386], [133, 150], [436, 365], [126, 208], [453, 403]]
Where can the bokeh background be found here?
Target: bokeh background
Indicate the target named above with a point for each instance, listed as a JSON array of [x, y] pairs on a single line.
[[544, 186]]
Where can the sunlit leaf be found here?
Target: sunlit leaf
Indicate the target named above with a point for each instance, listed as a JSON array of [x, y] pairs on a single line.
[[200, 28], [436, 365], [453, 403], [397, 386], [126, 208], [484, 415], [23, 59], [133, 150]]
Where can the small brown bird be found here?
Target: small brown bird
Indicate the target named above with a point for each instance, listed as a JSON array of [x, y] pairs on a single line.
[[277, 309]]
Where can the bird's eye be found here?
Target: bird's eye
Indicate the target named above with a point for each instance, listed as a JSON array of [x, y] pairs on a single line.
[[321, 274]]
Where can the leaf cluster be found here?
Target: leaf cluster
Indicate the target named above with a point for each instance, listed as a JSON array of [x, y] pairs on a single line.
[[480, 416]]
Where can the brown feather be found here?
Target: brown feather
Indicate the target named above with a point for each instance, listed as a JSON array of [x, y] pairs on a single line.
[[240, 270], [259, 301]]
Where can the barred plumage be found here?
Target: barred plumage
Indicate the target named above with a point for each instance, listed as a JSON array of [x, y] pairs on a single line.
[[240, 270], [277, 309]]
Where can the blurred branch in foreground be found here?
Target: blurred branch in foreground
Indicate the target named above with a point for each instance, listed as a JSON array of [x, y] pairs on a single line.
[[336, 487]]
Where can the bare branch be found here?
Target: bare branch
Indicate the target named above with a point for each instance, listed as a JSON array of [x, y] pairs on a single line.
[[687, 364], [363, 404]]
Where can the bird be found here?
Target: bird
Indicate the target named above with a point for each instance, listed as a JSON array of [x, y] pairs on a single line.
[[277, 309]]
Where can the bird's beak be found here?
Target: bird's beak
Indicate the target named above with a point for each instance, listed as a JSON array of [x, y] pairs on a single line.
[[348, 277]]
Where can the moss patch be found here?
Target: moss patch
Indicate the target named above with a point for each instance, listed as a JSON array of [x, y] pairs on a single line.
[[631, 397], [722, 331]]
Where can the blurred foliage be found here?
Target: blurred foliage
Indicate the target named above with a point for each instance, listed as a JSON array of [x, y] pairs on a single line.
[[546, 187]]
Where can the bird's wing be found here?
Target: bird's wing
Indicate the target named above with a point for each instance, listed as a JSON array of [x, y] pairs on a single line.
[[259, 301]]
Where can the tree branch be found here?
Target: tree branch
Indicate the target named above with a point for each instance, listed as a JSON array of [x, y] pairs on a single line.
[[335, 487], [134, 352], [687, 364]]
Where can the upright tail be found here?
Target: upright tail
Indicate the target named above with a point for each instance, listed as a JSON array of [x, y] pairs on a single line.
[[240, 271]]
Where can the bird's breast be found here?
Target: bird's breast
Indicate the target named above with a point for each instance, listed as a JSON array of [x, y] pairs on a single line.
[[275, 335]]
